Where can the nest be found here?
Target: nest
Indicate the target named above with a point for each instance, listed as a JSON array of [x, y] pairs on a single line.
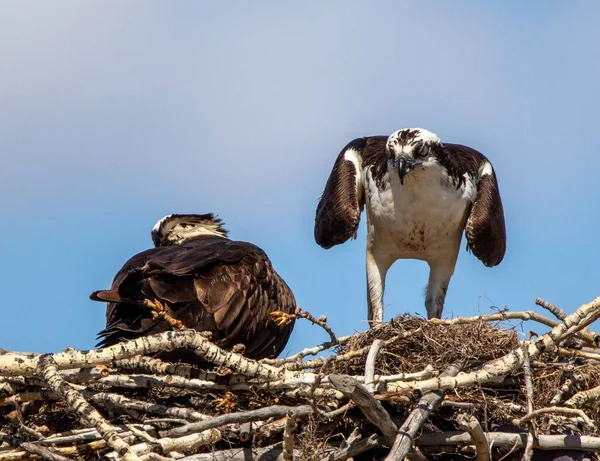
[[457, 389]]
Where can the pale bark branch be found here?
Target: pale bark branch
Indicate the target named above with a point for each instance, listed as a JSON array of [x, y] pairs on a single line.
[[412, 425], [370, 365], [371, 408], [507, 439], [584, 397], [470, 424], [84, 410], [558, 410], [288, 435]]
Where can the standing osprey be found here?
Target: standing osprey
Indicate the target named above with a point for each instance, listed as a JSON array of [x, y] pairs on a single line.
[[197, 278], [420, 195]]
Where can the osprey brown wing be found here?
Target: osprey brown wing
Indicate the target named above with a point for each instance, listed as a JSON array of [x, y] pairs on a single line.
[[338, 212], [485, 228], [228, 288]]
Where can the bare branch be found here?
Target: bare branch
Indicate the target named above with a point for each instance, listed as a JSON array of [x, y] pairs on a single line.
[[353, 449], [43, 452], [370, 365], [582, 398], [560, 410], [84, 410], [288, 435], [470, 424], [412, 425], [371, 407]]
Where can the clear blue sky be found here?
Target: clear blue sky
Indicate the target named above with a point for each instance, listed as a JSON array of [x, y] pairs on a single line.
[[114, 114]]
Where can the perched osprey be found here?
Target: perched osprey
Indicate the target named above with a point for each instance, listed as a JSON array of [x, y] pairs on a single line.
[[200, 279], [420, 195]]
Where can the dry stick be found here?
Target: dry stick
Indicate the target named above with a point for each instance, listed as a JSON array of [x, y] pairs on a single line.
[[560, 314], [160, 367], [583, 397], [79, 450], [313, 350], [528, 453], [353, 449], [84, 410], [497, 369], [120, 401], [561, 410], [416, 419], [13, 363], [370, 365], [321, 321], [516, 440], [571, 353], [470, 424], [275, 411], [187, 443], [288, 435], [43, 452], [89, 435], [372, 408]]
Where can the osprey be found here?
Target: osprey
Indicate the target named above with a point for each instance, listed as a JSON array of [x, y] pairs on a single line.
[[420, 195], [197, 278]]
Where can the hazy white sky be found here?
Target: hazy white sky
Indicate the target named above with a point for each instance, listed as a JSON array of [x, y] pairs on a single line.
[[114, 114]]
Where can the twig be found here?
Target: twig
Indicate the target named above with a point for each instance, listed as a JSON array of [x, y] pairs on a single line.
[[275, 411], [370, 365], [288, 435], [407, 432], [353, 449], [43, 452], [351, 354], [372, 408], [470, 424], [282, 318], [561, 410], [84, 410]]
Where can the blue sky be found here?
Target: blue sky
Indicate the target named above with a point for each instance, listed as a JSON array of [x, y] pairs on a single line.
[[114, 114]]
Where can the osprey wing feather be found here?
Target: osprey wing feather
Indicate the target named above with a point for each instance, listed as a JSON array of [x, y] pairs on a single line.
[[485, 228], [338, 212]]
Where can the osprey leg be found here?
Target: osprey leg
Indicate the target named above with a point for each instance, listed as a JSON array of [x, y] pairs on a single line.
[[376, 271], [439, 278]]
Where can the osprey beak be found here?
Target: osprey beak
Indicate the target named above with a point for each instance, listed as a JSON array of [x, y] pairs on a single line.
[[403, 166]]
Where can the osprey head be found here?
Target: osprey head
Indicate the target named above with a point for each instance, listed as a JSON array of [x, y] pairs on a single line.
[[410, 148], [176, 229]]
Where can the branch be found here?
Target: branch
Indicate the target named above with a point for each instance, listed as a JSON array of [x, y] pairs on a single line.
[[583, 397], [84, 410], [470, 424], [288, 435], [561, 410], [528, 454], [372, 408], [412, 425], [275, 411], [43, 452], [370, 365], [14, 363], [516, 440]]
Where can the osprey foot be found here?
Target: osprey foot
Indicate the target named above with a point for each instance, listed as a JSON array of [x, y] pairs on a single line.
[[282, 318], [158, 311], [227, 402]]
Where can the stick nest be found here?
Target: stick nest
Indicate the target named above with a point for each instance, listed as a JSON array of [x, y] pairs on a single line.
[[120, 403]]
